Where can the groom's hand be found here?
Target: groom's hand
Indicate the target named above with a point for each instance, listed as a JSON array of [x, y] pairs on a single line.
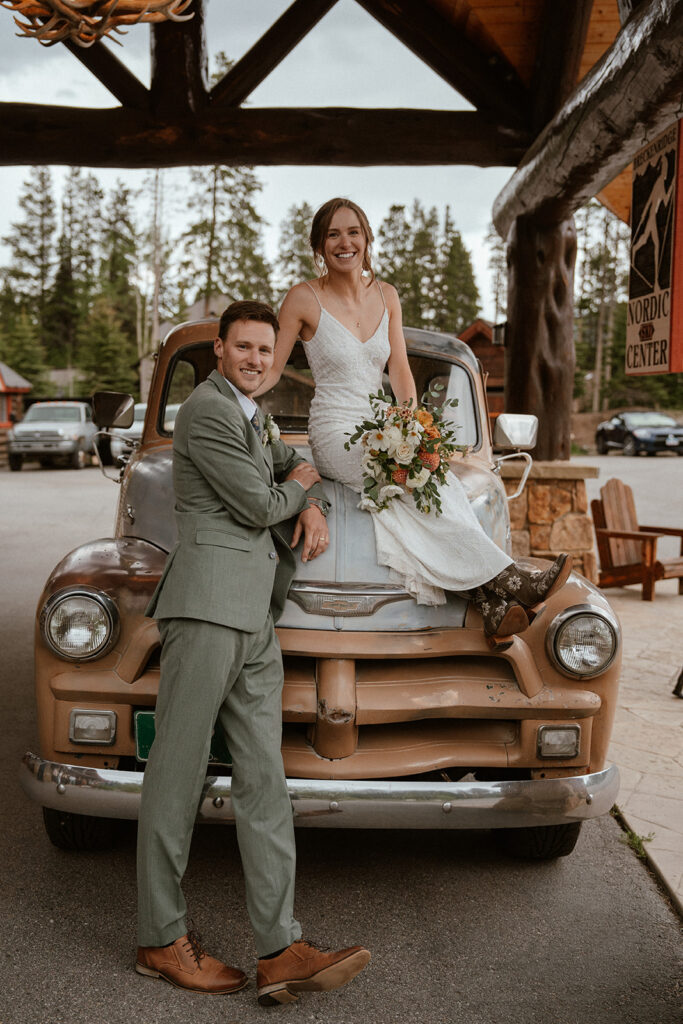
[[313, 525], [305, 473]]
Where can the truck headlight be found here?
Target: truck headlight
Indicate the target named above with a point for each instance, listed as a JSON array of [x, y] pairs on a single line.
[[583, 640], [79, 623]]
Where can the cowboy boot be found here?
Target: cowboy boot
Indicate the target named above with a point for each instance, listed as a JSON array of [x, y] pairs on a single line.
[[502, 617], [531, 587]]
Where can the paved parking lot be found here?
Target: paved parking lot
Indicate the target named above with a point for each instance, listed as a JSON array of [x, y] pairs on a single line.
[[458, 933]]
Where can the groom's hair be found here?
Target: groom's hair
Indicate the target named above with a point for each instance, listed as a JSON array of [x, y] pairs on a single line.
[[260, 311]]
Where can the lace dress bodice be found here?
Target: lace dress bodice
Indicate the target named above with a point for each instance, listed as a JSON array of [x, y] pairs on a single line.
[[426, 554], [345, 371]]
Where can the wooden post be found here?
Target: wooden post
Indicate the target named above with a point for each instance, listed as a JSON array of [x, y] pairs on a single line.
[[539, 337]]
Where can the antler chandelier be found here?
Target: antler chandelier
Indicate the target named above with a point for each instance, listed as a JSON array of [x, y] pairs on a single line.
[[85, 21]]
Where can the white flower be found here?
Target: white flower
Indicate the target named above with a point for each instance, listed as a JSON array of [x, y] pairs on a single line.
[[271, 431], [377, 440], [394, 436], [404, 453], [367, 504], [415, 429], [389, 491], [420, 480]]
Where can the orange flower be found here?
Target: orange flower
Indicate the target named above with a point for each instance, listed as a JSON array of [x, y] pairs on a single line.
[[431, 460], [399, 476], [424, 417], [431, 432]]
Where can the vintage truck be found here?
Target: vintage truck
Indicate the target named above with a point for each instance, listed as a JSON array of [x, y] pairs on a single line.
[[395, 715]]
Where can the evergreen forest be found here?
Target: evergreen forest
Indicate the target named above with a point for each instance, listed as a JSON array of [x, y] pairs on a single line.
[[92, 275]]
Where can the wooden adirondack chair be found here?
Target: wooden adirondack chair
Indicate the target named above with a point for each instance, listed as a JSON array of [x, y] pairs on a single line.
[[627, 550]]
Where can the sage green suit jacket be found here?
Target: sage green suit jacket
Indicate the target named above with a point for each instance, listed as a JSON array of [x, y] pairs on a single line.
[[232, 563]]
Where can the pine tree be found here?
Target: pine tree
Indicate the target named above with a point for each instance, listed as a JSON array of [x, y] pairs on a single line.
[[23, 352], [295, 261], [223, 247], [457, 295], [32, 246], [105, 351], [394, 256], [119, 257]]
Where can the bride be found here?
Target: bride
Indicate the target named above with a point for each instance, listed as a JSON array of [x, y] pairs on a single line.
[[351, 327]]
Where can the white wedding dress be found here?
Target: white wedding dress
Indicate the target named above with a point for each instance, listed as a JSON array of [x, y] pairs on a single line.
[[426, 553]]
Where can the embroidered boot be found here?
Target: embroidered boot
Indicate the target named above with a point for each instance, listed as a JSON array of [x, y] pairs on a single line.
[[502, 617], [530, 587]]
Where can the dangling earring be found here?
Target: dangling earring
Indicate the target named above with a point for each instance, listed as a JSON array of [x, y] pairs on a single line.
[[320, 264]]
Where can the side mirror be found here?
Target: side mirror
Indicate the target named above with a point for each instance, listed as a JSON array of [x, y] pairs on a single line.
[[112, 409], [515, 430]]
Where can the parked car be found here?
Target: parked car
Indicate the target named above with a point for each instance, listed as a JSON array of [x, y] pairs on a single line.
[[636, 432], [395, 715], [123, 441], [53, 432]]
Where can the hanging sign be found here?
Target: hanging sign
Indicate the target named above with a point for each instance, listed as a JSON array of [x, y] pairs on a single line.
[[654, 324]]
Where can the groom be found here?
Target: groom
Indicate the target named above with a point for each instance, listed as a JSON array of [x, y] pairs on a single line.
[[224, 584]]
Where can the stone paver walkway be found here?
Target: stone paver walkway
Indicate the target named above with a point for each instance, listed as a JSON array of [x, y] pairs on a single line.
[[647, 741]]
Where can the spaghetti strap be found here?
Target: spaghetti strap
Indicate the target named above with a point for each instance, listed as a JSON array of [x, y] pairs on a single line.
[[315, 293], [382, 294]]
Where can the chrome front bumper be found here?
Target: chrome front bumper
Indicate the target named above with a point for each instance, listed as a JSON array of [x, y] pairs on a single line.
[[352, 804]]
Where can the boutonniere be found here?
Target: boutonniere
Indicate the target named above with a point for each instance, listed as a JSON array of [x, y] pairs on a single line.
[[271, 431]]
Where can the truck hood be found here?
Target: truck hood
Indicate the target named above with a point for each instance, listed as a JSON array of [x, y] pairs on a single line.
[[342, 589]]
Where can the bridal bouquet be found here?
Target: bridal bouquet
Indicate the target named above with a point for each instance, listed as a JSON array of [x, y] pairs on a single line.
[[406, 449]]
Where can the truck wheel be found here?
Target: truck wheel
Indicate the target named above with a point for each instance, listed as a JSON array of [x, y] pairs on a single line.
[[69, 831], [15, 462], [601, 445], [630, 446], [542, 842], [78, 459]]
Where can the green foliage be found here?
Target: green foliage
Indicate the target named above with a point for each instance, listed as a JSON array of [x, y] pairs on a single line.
[[107, 356], [23, 352], [295, 262], [31, 242], [430, 268]]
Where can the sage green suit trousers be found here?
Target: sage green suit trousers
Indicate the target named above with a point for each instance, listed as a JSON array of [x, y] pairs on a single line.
[[216, 674]]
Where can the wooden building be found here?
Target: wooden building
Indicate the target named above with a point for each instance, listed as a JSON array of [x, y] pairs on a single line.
[[13, 387]]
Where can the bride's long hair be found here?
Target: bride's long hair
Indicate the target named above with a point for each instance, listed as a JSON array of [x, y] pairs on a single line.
[[320, 226]]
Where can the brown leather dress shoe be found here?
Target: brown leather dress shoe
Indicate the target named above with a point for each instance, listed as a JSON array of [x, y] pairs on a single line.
[[302, 967], [186, 965]]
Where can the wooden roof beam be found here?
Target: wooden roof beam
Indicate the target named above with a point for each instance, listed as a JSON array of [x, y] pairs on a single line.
[[180, 67], [112, 73], [630, 95], [564, 28], [269, 51], [120, 137], [486, 80]]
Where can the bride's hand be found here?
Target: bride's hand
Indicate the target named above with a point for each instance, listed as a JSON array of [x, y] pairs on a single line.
[[313, 525]]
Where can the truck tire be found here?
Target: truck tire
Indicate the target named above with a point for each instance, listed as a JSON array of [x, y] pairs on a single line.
[[542, 842], [15, 462], [78, 459], [71, 832], [601, 445]]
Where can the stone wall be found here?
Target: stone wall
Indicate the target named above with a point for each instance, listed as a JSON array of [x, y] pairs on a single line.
[[551, 514]]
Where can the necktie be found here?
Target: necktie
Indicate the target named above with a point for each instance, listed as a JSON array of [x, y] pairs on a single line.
[[255, 422]]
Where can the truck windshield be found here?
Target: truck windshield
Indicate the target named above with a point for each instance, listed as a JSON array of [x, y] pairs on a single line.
[[52, 414]]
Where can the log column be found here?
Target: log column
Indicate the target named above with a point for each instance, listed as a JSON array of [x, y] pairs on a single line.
[[539, 335]]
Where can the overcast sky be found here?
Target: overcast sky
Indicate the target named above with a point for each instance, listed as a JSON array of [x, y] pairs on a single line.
[[347, 60]]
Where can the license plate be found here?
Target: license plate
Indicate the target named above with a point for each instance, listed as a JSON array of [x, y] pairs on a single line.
[[671, 440], [145, 731]]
